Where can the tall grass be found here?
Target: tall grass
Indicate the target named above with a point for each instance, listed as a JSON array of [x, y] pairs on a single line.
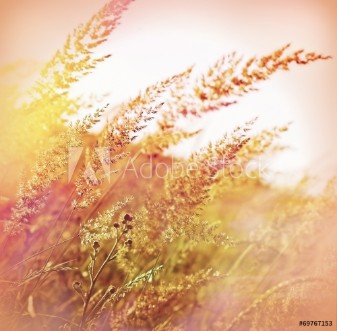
[[109, 231]]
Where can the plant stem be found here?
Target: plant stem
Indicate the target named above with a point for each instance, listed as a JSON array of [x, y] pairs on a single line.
[[94, 280]]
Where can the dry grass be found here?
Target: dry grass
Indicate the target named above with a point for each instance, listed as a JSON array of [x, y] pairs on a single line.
[[114, 247]]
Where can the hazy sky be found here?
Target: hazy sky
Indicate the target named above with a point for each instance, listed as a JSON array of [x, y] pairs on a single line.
[[161, 37]]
